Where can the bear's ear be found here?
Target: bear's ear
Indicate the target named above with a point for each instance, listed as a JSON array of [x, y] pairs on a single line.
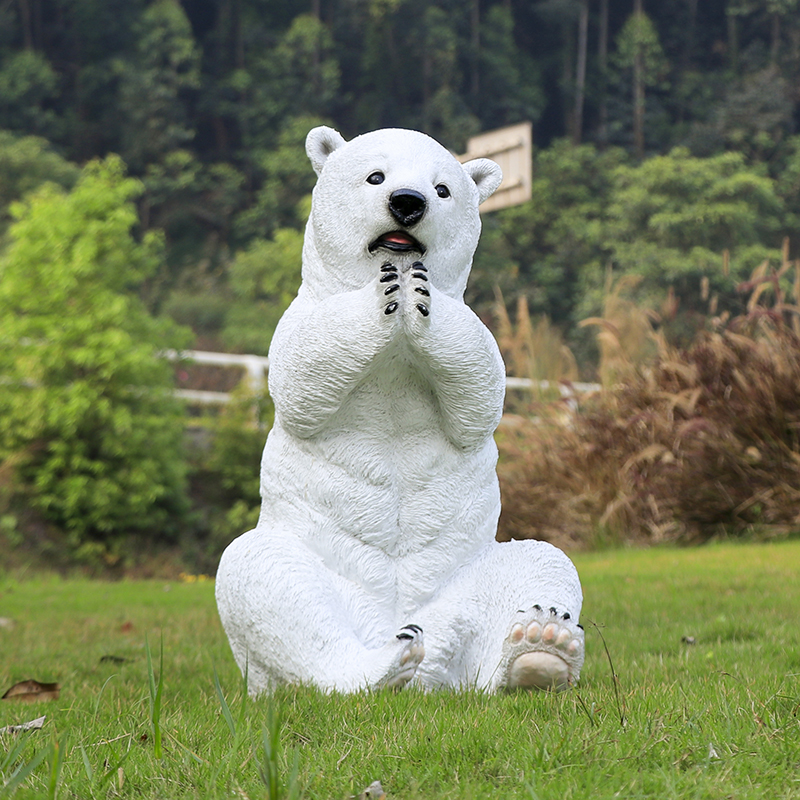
[[320, 143], [486, 174]]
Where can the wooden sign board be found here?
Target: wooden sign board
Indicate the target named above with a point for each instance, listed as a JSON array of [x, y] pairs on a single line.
[[512, 149]]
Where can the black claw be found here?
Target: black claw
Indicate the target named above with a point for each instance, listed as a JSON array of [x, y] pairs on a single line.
[[423, 309], [404, 636], [415, 628], [390, 309], [580, 626], [419, 265], [419, 275], [422, 290], [392, 288], [388, 267], [389, 276], [538, 607], [566, 615], [553, 610]]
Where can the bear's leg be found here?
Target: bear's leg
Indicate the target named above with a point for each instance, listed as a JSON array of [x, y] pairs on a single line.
[[289, 619], [492, 627]]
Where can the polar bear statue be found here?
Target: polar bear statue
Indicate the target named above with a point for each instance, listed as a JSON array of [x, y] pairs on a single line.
[[380, 498]]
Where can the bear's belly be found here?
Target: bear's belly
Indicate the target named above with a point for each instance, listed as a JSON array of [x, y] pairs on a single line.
[[383, 473]]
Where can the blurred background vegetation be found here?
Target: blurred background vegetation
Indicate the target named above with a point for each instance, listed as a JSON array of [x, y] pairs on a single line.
[[154, 187]]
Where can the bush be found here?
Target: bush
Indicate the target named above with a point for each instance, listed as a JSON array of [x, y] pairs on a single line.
[[701, 441], [86, 414], [226, 475]]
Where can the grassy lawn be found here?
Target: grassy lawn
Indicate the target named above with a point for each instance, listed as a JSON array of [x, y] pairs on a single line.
[[713, 719]]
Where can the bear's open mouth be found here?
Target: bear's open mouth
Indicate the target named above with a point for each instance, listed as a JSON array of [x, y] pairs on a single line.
[[399, 241]]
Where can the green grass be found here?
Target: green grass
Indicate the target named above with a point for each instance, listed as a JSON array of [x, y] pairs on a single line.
[[717, 719]]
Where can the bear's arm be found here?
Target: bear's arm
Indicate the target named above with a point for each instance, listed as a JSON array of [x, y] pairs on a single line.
[[465, 369], [318, 355]]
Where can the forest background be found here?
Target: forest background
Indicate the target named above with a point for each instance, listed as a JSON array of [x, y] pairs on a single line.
[[154, 187]]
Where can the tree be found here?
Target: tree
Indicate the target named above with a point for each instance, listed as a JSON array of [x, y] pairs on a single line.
[[510, 86], [541, 247], [25, 163], [264, 279], [641, 63], [580, 72], [285, 177], [753, 115], [682, 223], [155, 85], [28, 84], [87, 420], [298, 76]]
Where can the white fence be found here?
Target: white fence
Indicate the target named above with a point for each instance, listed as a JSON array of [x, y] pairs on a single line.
[[257, 368]]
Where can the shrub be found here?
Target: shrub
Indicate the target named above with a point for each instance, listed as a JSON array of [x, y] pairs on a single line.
[[226, 475], [86, 414], [702, 440]]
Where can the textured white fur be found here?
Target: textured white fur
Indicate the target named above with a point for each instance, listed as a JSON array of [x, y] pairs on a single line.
[[380, 497]]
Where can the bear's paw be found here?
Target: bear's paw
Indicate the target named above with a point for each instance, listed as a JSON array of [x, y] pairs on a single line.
[[543, 650], [409, 652]]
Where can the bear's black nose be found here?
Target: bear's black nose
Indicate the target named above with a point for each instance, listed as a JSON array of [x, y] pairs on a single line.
[[407, 206]]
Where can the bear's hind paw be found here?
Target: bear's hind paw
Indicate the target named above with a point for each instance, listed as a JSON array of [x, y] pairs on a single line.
[[543, 650]]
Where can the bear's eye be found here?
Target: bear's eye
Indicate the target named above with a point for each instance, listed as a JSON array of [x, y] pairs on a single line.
[[442, 190], [376, 178]]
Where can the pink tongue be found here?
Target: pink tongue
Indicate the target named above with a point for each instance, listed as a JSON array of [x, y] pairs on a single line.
[[397, 238]]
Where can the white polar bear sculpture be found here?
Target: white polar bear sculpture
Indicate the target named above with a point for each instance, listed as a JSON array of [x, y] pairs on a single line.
[[379, 493]]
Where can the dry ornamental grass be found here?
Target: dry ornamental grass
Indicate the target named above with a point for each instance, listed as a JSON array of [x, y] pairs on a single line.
[[687, 445]]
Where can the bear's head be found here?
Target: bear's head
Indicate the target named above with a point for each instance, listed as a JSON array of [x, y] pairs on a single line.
[[391, 195]]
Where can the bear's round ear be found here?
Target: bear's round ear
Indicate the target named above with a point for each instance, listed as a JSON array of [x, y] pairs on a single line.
[[486, 174], [320, 143]]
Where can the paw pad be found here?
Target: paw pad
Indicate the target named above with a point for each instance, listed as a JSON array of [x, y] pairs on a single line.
[[543, 649]]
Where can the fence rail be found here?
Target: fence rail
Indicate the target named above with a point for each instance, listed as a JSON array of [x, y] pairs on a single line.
[[257, 368]]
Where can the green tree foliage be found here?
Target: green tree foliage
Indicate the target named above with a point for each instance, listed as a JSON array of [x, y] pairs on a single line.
[[27, 84], [299, 75], [195, 205], [87, 420], [285, 178], [753, 117], [444, 113], [155, 83], [209, 103], [695, 227], [674, 220], [674, 215], [25, 163], [264, 279], [509, 82], [546, 243], [639, 66]]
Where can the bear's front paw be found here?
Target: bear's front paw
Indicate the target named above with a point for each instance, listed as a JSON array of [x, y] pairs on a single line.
[[419, 280], [405, 289], [391, 276], [409, 651]]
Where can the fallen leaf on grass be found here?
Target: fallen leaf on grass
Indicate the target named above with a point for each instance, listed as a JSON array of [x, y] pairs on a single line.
[[114, 659], [32, 691], [126, 627], [33, 725]]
